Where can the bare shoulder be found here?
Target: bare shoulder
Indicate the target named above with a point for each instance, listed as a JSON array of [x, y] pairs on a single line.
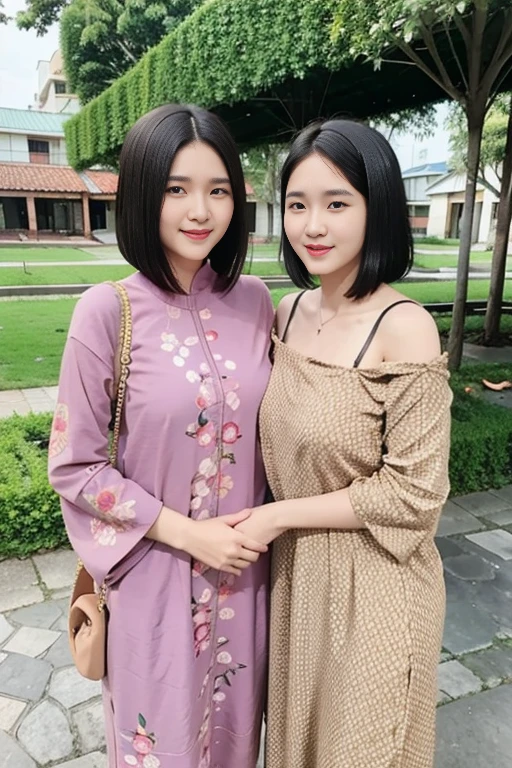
[[283, 311], [410, 334]]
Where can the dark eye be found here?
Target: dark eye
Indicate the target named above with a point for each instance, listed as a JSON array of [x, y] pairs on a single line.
[[337, 204], [175, 190], [218, 192], [295, 207]]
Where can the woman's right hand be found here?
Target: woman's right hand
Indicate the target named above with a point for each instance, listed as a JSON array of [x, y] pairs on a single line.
[[215, 543]]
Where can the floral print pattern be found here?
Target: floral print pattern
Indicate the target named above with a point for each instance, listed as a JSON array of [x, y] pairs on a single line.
[[113, 515], [59, 433], [143, 744]]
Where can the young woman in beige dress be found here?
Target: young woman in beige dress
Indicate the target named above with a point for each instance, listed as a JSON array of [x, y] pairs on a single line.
[[355, 433]]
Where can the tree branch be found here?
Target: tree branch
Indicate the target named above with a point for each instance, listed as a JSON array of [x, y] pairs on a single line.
[[501, 54], [464, 31], [481, 179], [411, 53], [430, 42], [475, 54], [455, 56], [127, 51]]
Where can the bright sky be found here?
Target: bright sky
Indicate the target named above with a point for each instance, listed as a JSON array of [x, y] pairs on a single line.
[[20, 52]]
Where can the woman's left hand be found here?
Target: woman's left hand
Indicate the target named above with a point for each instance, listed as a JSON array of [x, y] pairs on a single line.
[[261, 525]]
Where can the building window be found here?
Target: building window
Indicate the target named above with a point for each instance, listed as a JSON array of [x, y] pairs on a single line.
[[60, 87], [39, 151], [421, 211]]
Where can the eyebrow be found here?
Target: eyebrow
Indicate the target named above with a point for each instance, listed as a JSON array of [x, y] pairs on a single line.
[[327, 193], [215, 180]]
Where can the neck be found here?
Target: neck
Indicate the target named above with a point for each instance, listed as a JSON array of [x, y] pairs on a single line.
[[185, 271], [335, 286]]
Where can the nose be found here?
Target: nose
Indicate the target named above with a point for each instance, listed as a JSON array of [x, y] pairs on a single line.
[[199, 209], [315, 226]]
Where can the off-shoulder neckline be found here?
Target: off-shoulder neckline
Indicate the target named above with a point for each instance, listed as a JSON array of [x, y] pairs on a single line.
[[386, 367]]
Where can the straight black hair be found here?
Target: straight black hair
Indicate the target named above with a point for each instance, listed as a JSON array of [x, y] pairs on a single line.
[[367, 160], [146, 158]]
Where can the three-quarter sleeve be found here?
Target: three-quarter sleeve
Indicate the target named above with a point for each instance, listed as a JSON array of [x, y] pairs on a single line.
[[401, 502], [106, 514]]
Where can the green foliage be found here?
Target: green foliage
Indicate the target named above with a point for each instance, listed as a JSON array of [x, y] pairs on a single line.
[[225, 52], [3, 18], [481, 449], [102, 39], [30, 517]]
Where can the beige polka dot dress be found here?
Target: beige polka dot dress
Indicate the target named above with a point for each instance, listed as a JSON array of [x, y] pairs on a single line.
[[357, 617]]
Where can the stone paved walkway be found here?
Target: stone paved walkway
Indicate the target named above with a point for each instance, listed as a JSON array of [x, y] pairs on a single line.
[[50, 716]]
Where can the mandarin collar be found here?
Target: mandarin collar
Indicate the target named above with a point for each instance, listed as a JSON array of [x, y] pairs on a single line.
[[206, 281]]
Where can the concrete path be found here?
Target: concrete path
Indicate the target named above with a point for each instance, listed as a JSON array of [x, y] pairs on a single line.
[[49, 715]]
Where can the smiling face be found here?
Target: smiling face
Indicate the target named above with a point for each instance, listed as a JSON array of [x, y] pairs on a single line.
[[325, 218], [197, 208]]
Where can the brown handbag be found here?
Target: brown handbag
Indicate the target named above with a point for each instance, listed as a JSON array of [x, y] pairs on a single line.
[[88, 609]]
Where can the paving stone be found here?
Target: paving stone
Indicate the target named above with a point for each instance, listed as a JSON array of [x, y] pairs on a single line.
[[31, 641], [64, 593], [481, 503], [23, 677], [94, 760], [492, 665], [12, 755], [503, 493], [498, 542], [57, 569], [22, 580], [445, 656], [5, 629], [468, 627], [469, 568], [455, 519], [442, 697], [90, 724], [59, 654], [456, 680], [45, 733], [476, 732], [70, 688], [3, 656], [500, 518], [61, 624], [42, 615], [448, 547], [10, 711]]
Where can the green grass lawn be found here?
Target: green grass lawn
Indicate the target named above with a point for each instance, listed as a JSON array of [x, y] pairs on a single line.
[[437, 242], [434, 261], [90, 275], [65, 275], [33, 332], [31, 341], [40, 253]]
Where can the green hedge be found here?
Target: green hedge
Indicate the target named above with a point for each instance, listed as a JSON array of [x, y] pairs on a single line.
[[225, 52], [30, 517]]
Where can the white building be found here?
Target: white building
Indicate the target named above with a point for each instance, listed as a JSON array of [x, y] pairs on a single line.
[[416, 181], [446, 203], [53, 93]]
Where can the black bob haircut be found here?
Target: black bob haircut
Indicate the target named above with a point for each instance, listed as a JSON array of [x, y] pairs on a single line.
[[366, 159], [146, 158]]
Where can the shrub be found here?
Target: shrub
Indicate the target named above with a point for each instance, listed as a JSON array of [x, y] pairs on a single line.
[[30, 517]]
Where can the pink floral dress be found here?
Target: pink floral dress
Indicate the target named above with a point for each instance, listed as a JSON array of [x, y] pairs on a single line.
[[187, 645]]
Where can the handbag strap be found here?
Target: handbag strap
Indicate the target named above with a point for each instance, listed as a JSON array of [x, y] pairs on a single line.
[[122, 362]]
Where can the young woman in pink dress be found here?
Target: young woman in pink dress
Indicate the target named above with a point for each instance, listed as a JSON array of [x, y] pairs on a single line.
[[187, 593]]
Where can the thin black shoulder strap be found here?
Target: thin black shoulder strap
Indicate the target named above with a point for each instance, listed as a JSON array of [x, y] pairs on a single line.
[[290, 318], [373, 331]]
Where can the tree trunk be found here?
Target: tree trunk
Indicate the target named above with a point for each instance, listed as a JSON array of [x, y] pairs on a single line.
[[270, 220], [475, 115], [499, 256]]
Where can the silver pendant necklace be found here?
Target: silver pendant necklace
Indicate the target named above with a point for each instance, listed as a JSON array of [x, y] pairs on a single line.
[[322, 323]]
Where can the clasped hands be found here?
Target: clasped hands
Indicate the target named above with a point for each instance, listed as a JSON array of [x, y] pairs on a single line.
[[231, 543]]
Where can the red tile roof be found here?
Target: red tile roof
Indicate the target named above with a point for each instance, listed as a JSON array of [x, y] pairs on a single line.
[[29, 177], [104, 180]]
